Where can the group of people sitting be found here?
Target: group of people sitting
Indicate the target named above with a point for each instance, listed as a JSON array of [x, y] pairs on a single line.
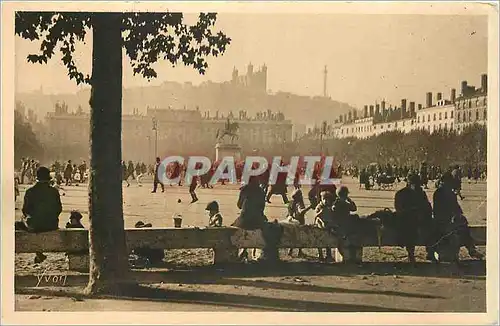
[[414, 217]]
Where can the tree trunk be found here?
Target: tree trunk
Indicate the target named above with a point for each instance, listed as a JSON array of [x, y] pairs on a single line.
[[109, 270]]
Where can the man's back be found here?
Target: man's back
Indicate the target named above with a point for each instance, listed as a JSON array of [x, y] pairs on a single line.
[[42, 206], [404, 200], [445, 204]]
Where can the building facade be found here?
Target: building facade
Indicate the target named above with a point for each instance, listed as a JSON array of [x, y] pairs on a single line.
[[437, 117], [471, 105], [455, 113], [252, 80], [166, 132]]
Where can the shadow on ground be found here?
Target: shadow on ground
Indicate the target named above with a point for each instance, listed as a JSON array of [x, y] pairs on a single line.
[[145, 293], [471, 269]]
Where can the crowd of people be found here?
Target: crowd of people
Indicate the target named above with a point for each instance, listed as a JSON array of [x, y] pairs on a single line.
[[376, 174], [333, 209]]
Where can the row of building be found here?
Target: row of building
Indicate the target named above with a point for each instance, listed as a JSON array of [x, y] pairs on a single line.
[[455, 113], [168, 131]]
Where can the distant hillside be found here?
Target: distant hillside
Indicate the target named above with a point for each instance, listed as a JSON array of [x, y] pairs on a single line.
[[212, 97]]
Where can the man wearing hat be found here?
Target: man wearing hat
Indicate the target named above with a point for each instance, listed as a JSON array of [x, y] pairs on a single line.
[[448, 215], [41, 208], [156, 177], [457, 180], [414, 213]]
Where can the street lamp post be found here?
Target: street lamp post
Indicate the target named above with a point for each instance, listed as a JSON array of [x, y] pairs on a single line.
[[155, 128], [149, 147]]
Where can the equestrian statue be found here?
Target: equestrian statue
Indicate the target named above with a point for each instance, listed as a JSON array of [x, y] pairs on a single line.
[[230, 130]]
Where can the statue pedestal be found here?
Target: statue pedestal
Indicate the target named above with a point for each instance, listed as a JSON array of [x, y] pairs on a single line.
[[225, 150]]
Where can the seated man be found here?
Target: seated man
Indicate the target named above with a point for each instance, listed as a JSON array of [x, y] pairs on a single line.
[[449, 218], [252, 202], [41, 208]]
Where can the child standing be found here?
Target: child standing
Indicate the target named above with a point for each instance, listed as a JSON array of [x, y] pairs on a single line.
[[77, 260], [75, 221], [324, 220], [296, 213]]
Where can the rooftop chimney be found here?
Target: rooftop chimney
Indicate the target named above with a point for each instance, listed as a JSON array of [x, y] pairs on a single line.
[[484, 83], [403, 108], [383, 105], [349, 115], [453, 95], [428, 100], [354, 114], [439, 96], [377, 109], [371, 110], [412, 109], [341, 118], [420, 106], [464, 88], [365, 115]]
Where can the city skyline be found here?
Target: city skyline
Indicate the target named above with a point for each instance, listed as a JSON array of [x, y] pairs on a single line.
[[375, 57]]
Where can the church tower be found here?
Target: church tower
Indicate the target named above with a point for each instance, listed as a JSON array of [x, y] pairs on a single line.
[[235, 75], [264, 78]]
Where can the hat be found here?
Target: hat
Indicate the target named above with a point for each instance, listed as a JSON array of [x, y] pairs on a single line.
[[414, 179], [447, 177], [43, 174], [141, 224], [212, 206], [75, 215]]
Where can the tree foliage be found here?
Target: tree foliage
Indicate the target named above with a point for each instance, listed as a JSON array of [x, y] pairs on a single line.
[[439, 148], [147, 38], [26, 143]]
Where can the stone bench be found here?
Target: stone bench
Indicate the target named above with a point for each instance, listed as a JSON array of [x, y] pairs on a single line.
[[226, 241]]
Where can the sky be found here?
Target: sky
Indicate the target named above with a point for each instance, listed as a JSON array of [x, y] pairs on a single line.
[[369, 57]]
